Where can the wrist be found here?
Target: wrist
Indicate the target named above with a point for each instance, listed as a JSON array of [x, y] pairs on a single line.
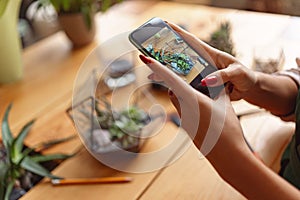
[[256, 87]]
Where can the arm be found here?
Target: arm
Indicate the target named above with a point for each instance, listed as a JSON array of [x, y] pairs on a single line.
[[225, 147], [250, 177], [275, 93]]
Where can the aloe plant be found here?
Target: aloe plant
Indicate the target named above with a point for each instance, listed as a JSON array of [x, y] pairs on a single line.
[[16, 160]]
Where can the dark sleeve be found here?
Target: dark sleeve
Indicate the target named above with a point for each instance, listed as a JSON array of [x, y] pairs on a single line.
[[290, 162]]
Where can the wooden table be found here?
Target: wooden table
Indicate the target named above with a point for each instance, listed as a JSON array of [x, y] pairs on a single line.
[[45, 93]]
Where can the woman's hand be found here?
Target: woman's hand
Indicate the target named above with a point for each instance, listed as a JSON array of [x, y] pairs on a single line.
[[239, 78], [212, 124], [216, 132]]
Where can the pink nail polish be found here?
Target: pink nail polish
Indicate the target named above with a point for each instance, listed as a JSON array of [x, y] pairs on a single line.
[[209, 81], [145, 59]]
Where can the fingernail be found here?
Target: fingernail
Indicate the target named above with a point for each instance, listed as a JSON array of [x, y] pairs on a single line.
[[209, 81], [145, 59], [171, 94]]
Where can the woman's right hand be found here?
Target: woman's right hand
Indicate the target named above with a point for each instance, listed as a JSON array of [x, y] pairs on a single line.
[[240, 78]]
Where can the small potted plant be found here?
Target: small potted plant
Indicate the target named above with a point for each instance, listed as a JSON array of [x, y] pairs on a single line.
[[77, 17], [105, 129], [221, 38], [20, 166]]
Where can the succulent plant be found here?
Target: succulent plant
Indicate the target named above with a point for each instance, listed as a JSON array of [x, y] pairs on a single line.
[[16, 159], [124, 126], [221, 38]]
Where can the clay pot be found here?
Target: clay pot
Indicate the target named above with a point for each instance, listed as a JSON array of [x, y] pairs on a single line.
[[76, 29]]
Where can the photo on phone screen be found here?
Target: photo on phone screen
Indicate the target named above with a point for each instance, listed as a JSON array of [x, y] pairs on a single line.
[[157, 39]]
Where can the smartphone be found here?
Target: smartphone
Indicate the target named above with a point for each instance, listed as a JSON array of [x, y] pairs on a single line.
[[157, 39]]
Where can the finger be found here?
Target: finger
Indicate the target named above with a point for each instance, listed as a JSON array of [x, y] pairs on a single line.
[[217, 78], [200, 47], [214, 56], [179, 87], [175, 101], [190, 37], [229, 74], [155, 77]]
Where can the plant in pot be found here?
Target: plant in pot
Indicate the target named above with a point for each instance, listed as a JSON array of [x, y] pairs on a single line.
[[221, 38], [124, 126], [20, 166], [77, 17], [107, 129]]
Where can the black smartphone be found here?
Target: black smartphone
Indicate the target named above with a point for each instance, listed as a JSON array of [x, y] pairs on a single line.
[[157, 39]]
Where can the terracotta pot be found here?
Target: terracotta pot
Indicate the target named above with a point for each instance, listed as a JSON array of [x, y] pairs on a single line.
[[76, 29]]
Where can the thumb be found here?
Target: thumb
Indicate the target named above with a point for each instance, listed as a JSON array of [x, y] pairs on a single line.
[[220, 77]]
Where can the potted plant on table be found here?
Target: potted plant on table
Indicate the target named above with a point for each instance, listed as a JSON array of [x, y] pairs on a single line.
[[20, 166], [221, 38], [107, 129], [77, 17]]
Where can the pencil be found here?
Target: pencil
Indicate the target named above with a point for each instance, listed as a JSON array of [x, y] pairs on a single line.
[[73, 181]]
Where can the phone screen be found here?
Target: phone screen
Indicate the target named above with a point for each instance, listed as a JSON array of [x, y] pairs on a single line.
[[170, 49], [158, 40]]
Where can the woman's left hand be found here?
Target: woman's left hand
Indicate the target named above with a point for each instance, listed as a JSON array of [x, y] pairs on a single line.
[[212, 124]]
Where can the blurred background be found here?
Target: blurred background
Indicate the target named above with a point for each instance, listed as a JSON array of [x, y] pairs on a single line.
[[36, 23]]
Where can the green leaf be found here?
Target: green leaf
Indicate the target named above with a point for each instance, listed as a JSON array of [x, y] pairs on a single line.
[[3, 171], [56, 4], [9, 189], [87, 16], [44, 158], [3, 5], [6, 133], [66, 5], [2, 190], [45, 145], [105, 5], [36, 168], [23, 155], [18, 142], [3, 178]]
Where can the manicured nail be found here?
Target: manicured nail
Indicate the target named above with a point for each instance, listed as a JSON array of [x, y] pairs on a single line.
[[171, 94], [145, 59], [209, 81]]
